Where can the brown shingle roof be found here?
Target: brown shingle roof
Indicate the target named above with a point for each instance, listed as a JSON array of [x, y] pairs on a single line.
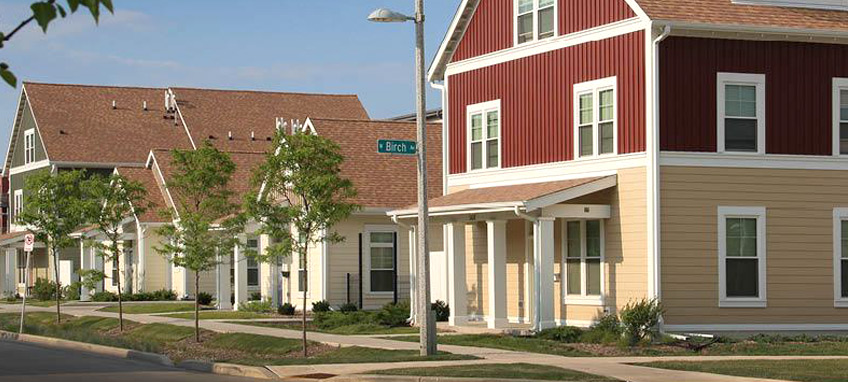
[[383, 180], [507, 194], [77, 122], [218, 112], [155, 196], [726, 12]]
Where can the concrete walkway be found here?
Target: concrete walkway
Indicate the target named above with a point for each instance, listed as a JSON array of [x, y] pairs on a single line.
[[615, 367]]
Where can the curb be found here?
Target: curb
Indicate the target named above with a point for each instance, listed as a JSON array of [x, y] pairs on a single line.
[[91, 348], [227, 369], [401, 378]]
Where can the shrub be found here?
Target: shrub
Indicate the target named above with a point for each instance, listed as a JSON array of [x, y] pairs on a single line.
[[44, 290], [104, 296], [164, 295], [256, 306], [72, 292], [442, 310], [640, 320], [394, 315], [320, 306], [286, 309], [333, 320], [348, 307], [255, 296], [606, 330], [13, 297], [204, 298], [567, 334]]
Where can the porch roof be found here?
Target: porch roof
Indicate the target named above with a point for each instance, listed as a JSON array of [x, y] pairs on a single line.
[[12, 237], [526, 197]]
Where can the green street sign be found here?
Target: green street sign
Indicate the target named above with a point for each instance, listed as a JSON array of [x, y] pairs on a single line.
[[389, 146]]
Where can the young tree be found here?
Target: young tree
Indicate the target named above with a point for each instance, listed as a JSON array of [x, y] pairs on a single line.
[[303, 198], [55, 207], [115, 200], [205, 221]]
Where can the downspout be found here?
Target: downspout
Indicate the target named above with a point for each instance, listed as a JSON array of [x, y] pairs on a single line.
[[537, 279], [408, 228], [655, 160]]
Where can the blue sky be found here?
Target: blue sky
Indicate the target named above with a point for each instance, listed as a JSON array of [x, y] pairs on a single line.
[[283, 45]]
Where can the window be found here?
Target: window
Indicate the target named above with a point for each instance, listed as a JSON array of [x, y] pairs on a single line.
[[381, 257], [840, 257], [252, 264], [535, 20], [29, 146], [19, 205], [484, 129], [742, 257], [840, 116], [116, 273], [584, 259], [741, 113], [22, 266], [595, 114], [302, 270]]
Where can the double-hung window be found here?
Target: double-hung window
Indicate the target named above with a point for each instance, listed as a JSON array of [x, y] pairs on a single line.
[[741, 113], [840, 257], [116, 271], [840, 116], [595, 118], [22, 267], [534, 20], [29, 146], [584, 259], [19, 205], [252, 264], [742, 257], [381, 259], [302, 268], [484, 130]]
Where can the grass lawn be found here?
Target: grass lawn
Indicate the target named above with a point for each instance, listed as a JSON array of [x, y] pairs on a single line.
[[526, 344], [356, 354], [221, 315], [503, 371], [148, 308], [344, 330], [792, 370]]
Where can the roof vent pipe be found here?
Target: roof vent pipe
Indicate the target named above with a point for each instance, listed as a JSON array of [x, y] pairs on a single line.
[[145, 105], [230, 135], [114, 104], [252, 136]]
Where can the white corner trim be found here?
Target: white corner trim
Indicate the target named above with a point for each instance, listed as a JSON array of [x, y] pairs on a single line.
[[182, 120], [754, 327], [759, 82], [840, 215], [758, 213], [839, 84]]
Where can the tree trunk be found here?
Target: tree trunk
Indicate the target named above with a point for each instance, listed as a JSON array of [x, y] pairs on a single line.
[[197, 306], [117, 259], [58, 287]]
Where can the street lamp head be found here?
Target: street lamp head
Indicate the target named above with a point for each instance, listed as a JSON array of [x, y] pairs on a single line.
[[383, 15]]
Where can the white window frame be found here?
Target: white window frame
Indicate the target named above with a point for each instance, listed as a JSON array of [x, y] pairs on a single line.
[[758, 213], [366, 244], [595, 87], [483, 108], [745, 79], [18, 199], [535, 27], [839, 215], [583, 298], [29, 146], [839, 84], [257, 266]]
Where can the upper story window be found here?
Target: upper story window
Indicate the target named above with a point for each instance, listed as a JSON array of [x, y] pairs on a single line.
[[18, 205], [484, 131], [595, 118], [741, 113], [840, 116], [29, 146], [534, 20]]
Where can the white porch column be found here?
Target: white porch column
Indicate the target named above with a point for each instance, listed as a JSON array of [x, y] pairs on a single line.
[[496, 248], [141, 232], [543, 248], [240, 283], [457, 287], [11, 282], [98, 265], [4, 275], [85, 264], [268, 274], [413, 273], [223, 286], [529, 272]]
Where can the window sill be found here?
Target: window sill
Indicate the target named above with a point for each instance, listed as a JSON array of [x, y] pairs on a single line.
[[391, 293], [584, 300], [843, 303], [742, 153], [742, 303]]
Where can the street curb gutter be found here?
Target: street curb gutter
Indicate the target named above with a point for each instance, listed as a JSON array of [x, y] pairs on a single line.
[[401, 378], [91, 348], [227, 369]]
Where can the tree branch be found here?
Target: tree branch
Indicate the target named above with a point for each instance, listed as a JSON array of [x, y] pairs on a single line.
[[23, 24]]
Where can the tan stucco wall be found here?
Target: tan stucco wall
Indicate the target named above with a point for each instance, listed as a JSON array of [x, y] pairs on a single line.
[[799, 242]]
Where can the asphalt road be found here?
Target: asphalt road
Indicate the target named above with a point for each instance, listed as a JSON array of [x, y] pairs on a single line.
[[21, 362]]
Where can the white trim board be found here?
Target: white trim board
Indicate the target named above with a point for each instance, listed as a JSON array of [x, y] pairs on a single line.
[[754, 327], [29, 167], [840, 215], [768, 161], [839, 85]]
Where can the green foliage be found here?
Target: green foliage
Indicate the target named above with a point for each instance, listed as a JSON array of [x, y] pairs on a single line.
[[335, 320], [320, 306], [90, 278], [204, 298], [72, 292], [44, 290], [286, 309], [43, 13], [442, 310], [256, 306], [104, 296], [394, 315], [348, 307], [567, 334], [640, 320], [255, 296]]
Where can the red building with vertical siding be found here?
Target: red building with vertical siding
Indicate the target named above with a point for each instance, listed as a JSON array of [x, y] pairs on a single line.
[[601, 152]]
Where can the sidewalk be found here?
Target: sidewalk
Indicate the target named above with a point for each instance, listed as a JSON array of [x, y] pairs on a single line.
[[615, 367]]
